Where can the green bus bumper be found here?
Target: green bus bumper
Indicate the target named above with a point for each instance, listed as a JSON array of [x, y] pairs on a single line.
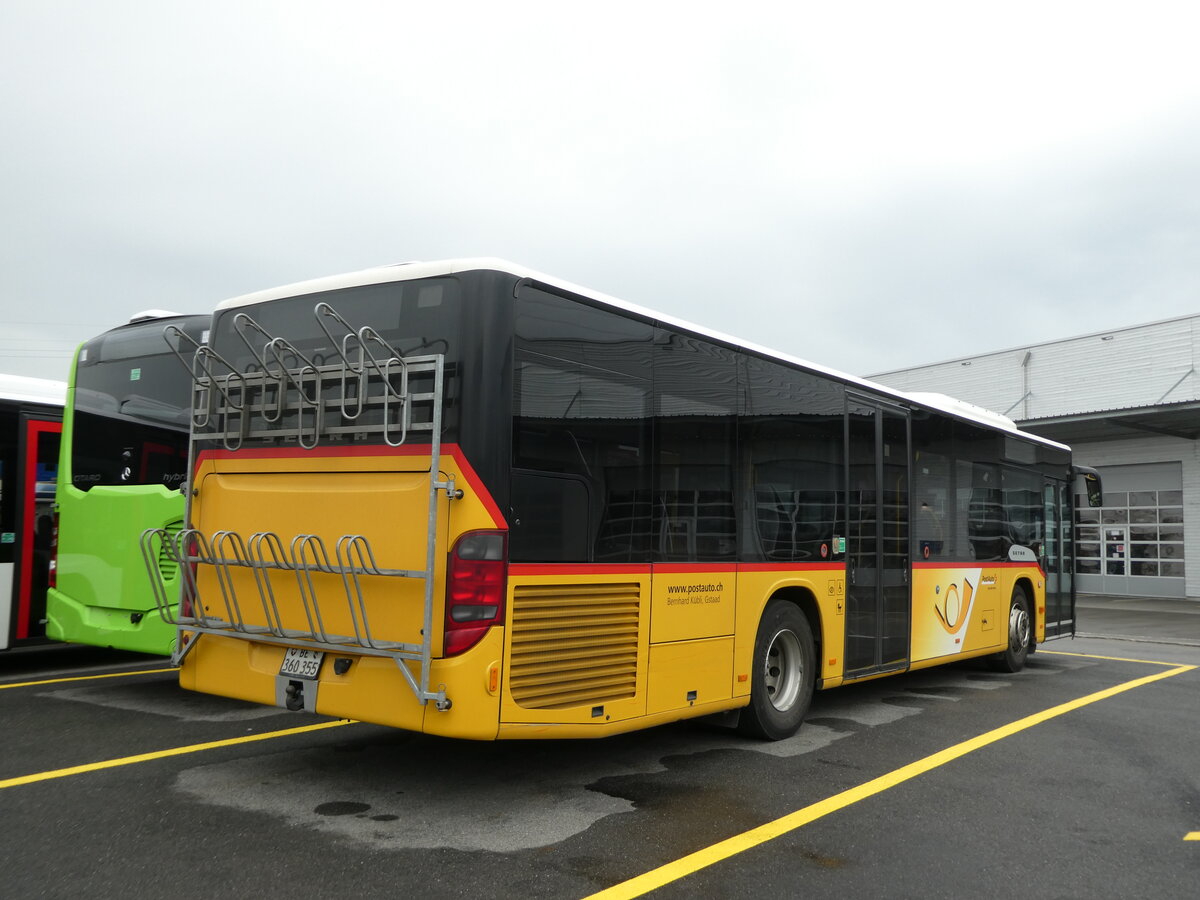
[[141, 631]]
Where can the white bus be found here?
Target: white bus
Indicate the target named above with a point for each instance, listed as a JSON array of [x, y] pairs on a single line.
[[30, 425]]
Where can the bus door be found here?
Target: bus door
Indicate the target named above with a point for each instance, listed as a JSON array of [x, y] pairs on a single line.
[[28, 478], [878, 607], [1057, 559]]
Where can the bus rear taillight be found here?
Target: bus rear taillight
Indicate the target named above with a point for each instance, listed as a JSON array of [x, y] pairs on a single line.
[[476, 580]]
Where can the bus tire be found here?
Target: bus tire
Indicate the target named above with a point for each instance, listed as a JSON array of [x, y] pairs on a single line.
[[783, 674], [1020, 633]]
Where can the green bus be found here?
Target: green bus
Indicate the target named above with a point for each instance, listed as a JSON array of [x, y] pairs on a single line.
[[122, 463]]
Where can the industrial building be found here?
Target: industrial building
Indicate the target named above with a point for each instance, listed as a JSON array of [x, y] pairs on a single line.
[[1128, 403]]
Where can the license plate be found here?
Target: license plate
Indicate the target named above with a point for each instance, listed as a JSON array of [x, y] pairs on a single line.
[[299, 663]]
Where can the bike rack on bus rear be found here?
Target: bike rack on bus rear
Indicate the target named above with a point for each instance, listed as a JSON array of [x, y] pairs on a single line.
[[284, 395]]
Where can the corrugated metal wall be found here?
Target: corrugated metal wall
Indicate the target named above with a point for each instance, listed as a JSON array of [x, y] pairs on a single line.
[[1147, 365]]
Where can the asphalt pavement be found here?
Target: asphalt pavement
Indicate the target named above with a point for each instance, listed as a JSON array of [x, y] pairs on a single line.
[[1074, 778], [1150, 619]]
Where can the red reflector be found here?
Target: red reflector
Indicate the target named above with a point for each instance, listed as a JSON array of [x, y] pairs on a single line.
[[461, 639]]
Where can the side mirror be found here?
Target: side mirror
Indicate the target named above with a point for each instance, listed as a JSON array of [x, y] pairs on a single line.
[[1091, 485]]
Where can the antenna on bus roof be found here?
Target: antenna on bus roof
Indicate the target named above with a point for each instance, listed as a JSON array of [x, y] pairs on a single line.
[[147, 314]]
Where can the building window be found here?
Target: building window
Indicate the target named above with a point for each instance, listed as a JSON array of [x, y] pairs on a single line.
[[1135, 533]]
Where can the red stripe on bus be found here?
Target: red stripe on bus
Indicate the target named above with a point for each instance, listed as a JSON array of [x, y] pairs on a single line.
[[683, 568], [34, 429], [783, 568], [663, 568], [452, 450], [476, 483], [578, 569]]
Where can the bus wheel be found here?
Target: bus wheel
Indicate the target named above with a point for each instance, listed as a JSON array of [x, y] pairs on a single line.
[[1020, 629], [781, 683]]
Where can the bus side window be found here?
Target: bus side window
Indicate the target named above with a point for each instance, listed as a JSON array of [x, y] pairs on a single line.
[[933, 487], [695, 446], [582, 407], [790, 447], [569, 448], [794, 516], [929, 531], [549, 517]]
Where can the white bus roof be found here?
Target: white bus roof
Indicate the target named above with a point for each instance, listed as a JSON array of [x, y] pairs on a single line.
[[33, 390], [414, 270]]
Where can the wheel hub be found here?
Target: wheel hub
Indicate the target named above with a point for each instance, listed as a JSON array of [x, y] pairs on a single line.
[[784, 673], [1018, 628]]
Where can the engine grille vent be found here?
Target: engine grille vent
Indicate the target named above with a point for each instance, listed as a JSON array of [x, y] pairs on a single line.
[[167, 566], [574, 645]]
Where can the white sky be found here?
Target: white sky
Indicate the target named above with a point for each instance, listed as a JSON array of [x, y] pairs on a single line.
[[867, 185]]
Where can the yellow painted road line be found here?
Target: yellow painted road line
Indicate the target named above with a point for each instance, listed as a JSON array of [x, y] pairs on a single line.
[[1192, 836], [4, 687], [1145, 662], [163, 754], [680, 868]]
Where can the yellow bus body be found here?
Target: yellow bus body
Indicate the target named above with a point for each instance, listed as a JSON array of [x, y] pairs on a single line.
[[586, 650]]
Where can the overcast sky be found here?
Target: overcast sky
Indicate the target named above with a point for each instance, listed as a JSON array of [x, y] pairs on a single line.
[[867, 185]]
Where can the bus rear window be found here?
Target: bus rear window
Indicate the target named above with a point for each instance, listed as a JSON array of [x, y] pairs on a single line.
[[413, 318], [132, 407]]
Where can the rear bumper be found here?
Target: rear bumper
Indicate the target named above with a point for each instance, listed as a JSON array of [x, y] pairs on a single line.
[[370, 689], [137, 630]]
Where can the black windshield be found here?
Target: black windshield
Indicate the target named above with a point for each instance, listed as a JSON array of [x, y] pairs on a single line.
[[132, 405], [413, 318]]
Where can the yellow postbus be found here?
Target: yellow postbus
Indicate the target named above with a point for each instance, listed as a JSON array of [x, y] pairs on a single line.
[[468, 499]]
